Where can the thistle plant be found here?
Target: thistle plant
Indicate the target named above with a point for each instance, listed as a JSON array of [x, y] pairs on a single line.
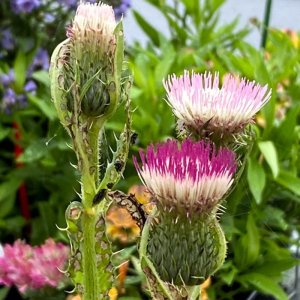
[[89, 81], [182, 242]]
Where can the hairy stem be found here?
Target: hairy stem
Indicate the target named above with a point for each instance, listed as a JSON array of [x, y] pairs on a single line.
[[90, 178], [90, 282]]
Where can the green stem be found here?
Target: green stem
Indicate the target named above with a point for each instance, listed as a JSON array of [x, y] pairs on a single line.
[[90, 282], [89, 182], [266, 22]]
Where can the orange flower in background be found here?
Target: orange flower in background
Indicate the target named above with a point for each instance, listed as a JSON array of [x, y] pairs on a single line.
[[293, 36], [204, 286], [113, 295], [121, 226], [142, 196]]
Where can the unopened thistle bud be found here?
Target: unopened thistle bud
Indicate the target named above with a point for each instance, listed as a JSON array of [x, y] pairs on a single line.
[[204, 107], [86, 64], [188, 183]]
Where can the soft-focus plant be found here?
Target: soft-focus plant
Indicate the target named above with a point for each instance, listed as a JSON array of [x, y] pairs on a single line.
[[262, 211], [34, 270], [89, 81]]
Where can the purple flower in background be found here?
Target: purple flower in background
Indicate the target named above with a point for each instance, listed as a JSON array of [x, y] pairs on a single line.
[[40, 61], [7, 79], [24, 6], [121, 8], [11, 101], [49, 18], [194, 175], [68, 3], [9, 98], [30, 86], [7, 39]]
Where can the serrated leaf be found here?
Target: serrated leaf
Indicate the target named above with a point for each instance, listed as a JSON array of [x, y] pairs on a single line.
[[268, 149]]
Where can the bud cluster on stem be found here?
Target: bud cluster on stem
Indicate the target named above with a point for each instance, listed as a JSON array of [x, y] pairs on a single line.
[[89, 80]]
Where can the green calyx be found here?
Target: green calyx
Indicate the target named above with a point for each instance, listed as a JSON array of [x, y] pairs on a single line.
[[186, 251]]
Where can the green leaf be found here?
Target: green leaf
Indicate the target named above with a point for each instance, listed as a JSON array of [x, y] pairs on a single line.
[[3, 292], [288, 125], [45, 106], [253, 243], [8, 188], [4, 132], [256, 178], [42, 77], [20, 69], [163, 67], [268, 149], [152, 33], [247, 247], [264, 284], [276, 267], [289, 181], [35, 151]]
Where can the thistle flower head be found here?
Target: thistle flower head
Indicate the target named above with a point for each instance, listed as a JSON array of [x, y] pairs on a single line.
[[200, 102], [93, 29], [30, 268], [191, 178]]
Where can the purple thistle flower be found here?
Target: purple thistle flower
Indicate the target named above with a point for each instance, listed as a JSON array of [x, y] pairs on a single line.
[[30, 268], [7, 79], [24, 6], [7, 39], [197, 100], [194, 176]]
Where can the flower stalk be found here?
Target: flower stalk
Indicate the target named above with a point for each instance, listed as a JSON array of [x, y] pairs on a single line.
[[88, 83]]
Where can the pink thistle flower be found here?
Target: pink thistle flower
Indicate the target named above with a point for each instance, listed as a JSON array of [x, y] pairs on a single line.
[[194, 176], [197, 100], [31, 268]]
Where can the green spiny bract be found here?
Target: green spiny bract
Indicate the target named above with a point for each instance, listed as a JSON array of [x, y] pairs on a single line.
[[186, 251]]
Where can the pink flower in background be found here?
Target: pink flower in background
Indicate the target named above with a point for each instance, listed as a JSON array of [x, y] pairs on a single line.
[[194, 175], [30, 268], [197, 100]]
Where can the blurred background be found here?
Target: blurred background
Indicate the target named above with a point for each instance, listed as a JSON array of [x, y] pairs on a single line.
[[255, 39]]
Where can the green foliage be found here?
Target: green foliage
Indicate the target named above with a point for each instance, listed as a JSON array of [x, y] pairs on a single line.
[[262, 211], [264, 208]]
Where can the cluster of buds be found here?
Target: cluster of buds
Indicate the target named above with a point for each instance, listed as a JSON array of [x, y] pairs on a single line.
[[188, 180]]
